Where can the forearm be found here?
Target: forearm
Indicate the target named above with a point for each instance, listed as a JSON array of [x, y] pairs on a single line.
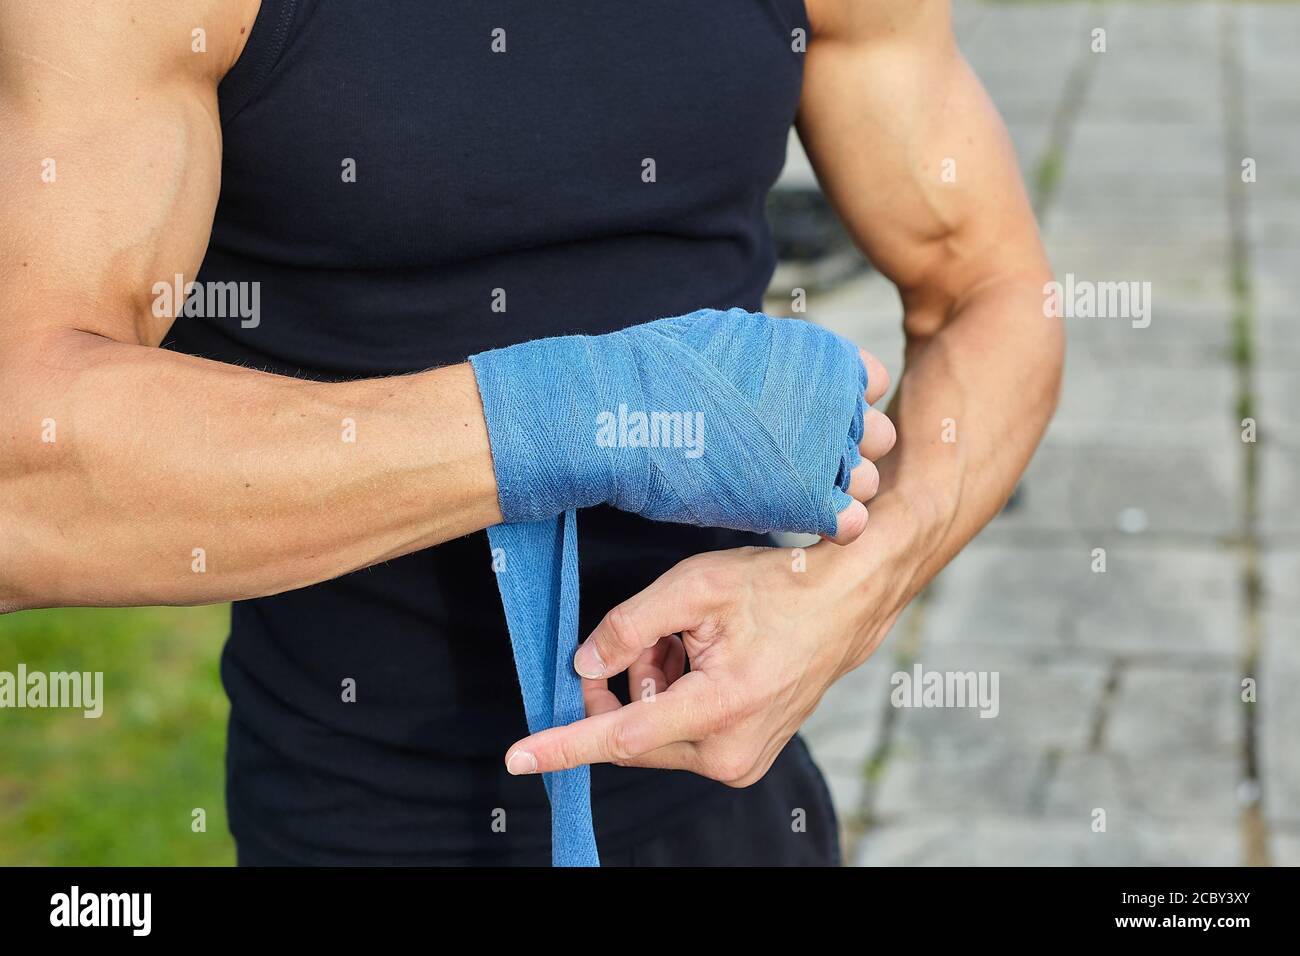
[[132, 475], [972, 403]]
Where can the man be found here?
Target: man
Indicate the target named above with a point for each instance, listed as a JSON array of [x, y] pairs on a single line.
[[396, 186]]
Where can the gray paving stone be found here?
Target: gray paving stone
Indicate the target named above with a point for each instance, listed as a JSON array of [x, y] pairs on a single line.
[[966, 15], [1031, 140], [1016, 618], [1134, 85], [1174, 30], [1268, 103], [1184, 786], [1159, 603], [1022, 92], [1277, 403], [1089, 211], [1043, 701], [847, 725], [1174, 487], [1275, 279], [1003, 783], [1141, 193], [1157, 713], [1104, 399], [1279, 710], [1275, 341], [1145, 150], [1273, 213], [1089, 214], [1284, 848], [1270, 35], [1186, 338], [1279, 507], [1121, 689], [986, 841], [1281, 590], [1188, 274], [1275, 147], [1039, 39]]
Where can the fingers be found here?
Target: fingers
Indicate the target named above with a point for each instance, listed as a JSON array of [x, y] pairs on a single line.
[[674, 664], [864, 481], [656, 669], [850, 523], [678, 756], [877, 377], [878, 433], [673, 603], [597, 698], [679, 715], [878, 436]]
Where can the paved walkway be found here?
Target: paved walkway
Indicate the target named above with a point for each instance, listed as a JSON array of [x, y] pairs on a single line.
[[1122, 690]]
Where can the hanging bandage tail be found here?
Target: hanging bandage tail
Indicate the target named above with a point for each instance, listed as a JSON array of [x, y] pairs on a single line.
[[784, 406], [537, 575]]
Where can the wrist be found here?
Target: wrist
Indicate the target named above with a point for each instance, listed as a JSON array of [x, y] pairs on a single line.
[[878, 575], [535, 397]]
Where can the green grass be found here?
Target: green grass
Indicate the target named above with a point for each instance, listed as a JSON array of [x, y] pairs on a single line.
[[118, 790], [1047, 175], [1242, 349]]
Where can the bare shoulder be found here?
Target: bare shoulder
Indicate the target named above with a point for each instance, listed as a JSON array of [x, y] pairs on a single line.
[[148, 40], [109, 122], [877, 20]]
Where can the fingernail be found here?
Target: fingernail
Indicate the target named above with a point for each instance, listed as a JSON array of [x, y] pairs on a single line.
[[521, 762], [587, 661]]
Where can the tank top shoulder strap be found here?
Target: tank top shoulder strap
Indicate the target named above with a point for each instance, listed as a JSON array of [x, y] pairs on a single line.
[[273, 28]]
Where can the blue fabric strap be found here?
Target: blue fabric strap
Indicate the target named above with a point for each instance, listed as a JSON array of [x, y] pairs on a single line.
[[727, 419], [538, 580]]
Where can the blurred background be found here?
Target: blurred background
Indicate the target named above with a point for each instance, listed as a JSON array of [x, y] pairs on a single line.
[[1120, 690]]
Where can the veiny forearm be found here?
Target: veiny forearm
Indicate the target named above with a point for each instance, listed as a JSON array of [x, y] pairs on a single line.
[[131, 475], [972, 403]]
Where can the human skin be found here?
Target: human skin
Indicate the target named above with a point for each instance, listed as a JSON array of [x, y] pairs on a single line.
[[159, 453], [124, 468], [887, 99]]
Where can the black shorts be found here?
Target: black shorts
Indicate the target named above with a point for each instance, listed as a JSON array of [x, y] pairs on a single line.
[[786, 819]]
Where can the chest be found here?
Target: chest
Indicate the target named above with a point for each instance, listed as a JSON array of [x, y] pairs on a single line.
[[402, 134]]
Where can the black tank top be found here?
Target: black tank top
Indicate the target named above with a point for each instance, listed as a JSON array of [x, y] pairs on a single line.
[[392, 169]]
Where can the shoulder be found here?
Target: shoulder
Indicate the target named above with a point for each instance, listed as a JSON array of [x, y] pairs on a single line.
[[143, 39], [872, 20]]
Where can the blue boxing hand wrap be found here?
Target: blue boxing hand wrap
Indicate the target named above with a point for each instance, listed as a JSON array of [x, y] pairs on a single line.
[[726, 419]]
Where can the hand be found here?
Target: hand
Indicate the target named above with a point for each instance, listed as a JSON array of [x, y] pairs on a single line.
[[764, 639], [878, 438], [781, 397]]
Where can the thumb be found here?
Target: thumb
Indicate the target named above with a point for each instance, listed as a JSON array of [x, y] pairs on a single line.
[[674, 602]]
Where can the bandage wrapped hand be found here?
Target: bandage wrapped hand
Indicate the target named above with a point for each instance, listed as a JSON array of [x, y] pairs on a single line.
[[728, 419]]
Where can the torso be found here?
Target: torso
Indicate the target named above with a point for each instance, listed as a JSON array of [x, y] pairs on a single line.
[[481, 177]]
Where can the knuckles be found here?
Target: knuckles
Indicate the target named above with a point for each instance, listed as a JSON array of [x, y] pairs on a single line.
[[621, 743], [622, 629], [872, 480], [566, 755], [730, 767], [706, 581]]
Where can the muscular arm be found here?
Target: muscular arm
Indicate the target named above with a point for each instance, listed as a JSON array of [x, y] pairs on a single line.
[[117, 459], [888, 99]]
